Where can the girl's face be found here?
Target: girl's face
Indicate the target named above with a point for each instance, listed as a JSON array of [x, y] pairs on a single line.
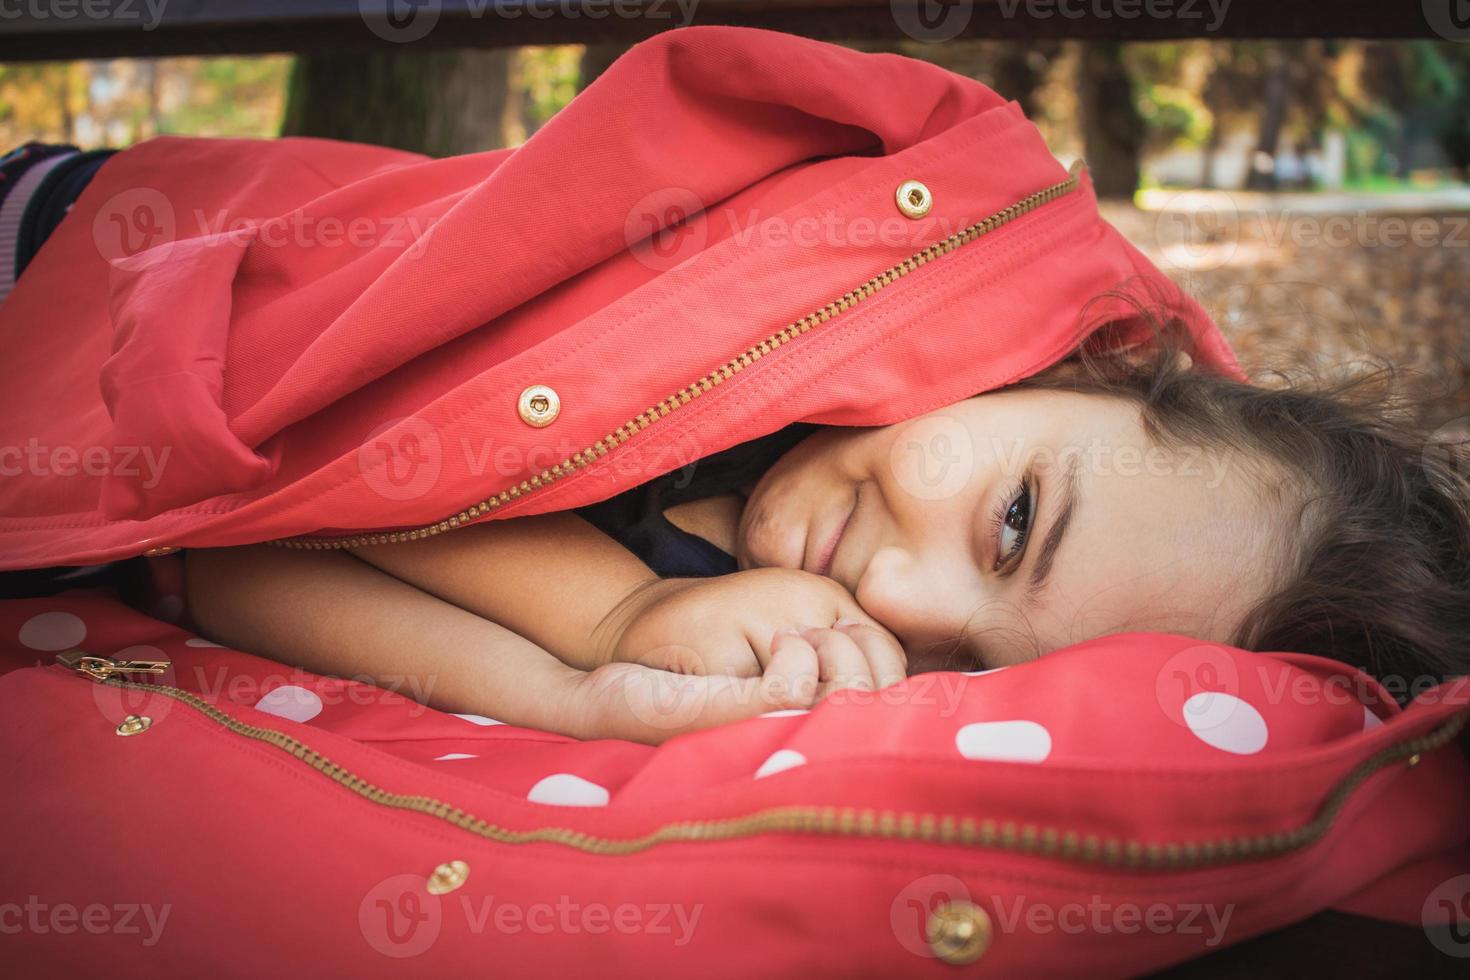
[[1018, 522]]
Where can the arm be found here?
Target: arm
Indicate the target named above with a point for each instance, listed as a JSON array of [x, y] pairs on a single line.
[[332, 614], [572, 590], [554, 579]]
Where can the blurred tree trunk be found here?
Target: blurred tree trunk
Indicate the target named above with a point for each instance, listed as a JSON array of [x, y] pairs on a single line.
[[1214, 102], [149, 124], [1275, 96], [596, 59], [68, 118], [435, 102], [1019, 70], [1112, 129]]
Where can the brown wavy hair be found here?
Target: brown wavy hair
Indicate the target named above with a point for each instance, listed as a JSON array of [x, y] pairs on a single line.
[[1380, 577]]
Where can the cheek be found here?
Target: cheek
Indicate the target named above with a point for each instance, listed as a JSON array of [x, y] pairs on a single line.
[[931, 459], [884, 590], [921, 601], [765, 540]]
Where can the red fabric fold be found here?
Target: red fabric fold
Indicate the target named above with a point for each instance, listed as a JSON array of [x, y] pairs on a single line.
[[164, 381]]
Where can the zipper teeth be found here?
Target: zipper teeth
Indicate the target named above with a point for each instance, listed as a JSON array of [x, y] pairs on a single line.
[[866, 822], [713, 379]]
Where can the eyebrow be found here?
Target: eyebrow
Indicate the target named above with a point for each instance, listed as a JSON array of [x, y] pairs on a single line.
[[1054, 534]]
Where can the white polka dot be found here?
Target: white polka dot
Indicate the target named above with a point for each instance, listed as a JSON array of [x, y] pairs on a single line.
[[1370, 720], [1225, 722], [479, 719], [564, 789], [291, 702], [53, 631], [780, 761], [1004, 741], [169, 607], [451, 756], [786, 713], [199, 641]]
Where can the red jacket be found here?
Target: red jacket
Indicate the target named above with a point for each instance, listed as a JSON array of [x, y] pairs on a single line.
[[231, 342]]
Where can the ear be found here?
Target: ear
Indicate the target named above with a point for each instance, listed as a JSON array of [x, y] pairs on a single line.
[[1143, 355]]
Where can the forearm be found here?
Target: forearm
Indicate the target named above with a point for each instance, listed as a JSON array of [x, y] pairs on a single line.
[[553, 579], [330, 613]]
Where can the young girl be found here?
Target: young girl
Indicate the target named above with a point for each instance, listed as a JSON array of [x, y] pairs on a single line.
[[1119, 492]]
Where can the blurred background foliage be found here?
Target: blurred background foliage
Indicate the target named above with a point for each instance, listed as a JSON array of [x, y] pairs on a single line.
[[1257, 114]]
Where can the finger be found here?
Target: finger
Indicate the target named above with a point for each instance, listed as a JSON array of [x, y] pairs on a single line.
[[885, 655], [793, 675], [840, 661], [762, 637]]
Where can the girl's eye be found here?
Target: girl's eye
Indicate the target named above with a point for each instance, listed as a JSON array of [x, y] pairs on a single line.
[[1015, 526]]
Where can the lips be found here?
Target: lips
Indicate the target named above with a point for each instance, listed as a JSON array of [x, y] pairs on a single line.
[[824, 563]]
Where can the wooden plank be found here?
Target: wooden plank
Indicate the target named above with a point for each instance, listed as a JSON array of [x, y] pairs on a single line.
[[51, 29]]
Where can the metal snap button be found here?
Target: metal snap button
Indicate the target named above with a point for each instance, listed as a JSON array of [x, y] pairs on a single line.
[[959, 932], [134, 725], [539, 406], [447, 877], [914, 199]]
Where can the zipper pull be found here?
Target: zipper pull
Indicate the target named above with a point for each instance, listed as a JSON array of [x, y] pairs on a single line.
[[102, 668]]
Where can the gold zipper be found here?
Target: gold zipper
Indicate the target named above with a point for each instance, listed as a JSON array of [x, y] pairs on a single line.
[[104, 668], [713, 379], [859, 822]]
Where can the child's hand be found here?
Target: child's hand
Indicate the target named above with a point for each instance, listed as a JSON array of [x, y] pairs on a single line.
[[649, 704], [729, 625]]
